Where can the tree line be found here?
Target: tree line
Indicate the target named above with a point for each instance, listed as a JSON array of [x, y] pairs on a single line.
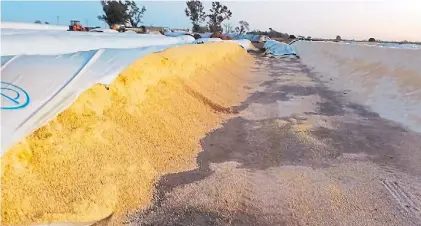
[[119, 12], [39, 22], [128, 12], [218, 13]]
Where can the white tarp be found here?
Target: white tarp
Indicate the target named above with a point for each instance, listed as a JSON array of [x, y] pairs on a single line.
[[204, 40], [35, 88], [251, 37], [47, 42], [43, 72], [31, 26], [246, 44], [106, 30]]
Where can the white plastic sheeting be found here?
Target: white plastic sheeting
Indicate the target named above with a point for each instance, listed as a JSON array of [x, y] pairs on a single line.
[[204, 40], [106, 30], [246, 44], [31, 42], [33, 26], [44, 71], [175, 34], [278, 48], [250, 37], [34, 89]]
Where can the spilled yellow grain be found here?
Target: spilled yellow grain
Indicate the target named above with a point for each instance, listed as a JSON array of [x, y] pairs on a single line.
[[104, 154]]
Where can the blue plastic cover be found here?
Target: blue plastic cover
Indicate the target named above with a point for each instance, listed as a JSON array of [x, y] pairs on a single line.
[[250, 37], [278, 48], [205, 35], [175, 34]]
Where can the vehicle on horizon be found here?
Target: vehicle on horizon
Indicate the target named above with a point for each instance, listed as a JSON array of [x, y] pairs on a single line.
[[102, 30], [118, 27], [76, 26]]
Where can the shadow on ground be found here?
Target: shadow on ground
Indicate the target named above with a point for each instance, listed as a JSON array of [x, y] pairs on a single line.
[[261, 144]]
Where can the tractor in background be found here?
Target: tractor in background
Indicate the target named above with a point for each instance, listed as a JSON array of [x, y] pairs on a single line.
[[76, 26], [118, 27]]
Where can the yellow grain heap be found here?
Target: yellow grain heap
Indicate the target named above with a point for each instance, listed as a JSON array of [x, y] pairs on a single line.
[[104, 153]]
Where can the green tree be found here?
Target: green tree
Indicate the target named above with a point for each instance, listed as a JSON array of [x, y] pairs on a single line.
[[228, 28], [135, 13], [195, 12], [243, 28], [338, 38], [118, 12], [218, 13], [115, 12]]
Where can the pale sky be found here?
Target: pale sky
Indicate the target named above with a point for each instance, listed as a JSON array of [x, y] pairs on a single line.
[[397, 20], [387, 20]]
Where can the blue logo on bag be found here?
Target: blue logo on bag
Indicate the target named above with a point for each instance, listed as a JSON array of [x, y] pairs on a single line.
[[13, 97]]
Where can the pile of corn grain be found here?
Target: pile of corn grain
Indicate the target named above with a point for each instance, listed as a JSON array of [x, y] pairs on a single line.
[[103, 155]]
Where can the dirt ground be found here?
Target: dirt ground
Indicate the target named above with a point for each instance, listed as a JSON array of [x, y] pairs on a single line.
[[297, 153]]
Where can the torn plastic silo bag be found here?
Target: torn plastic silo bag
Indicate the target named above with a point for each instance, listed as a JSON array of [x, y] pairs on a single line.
[[278, 48], [246, 44], [250, 37], [34, 42], [205, 40], [36, 88]]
